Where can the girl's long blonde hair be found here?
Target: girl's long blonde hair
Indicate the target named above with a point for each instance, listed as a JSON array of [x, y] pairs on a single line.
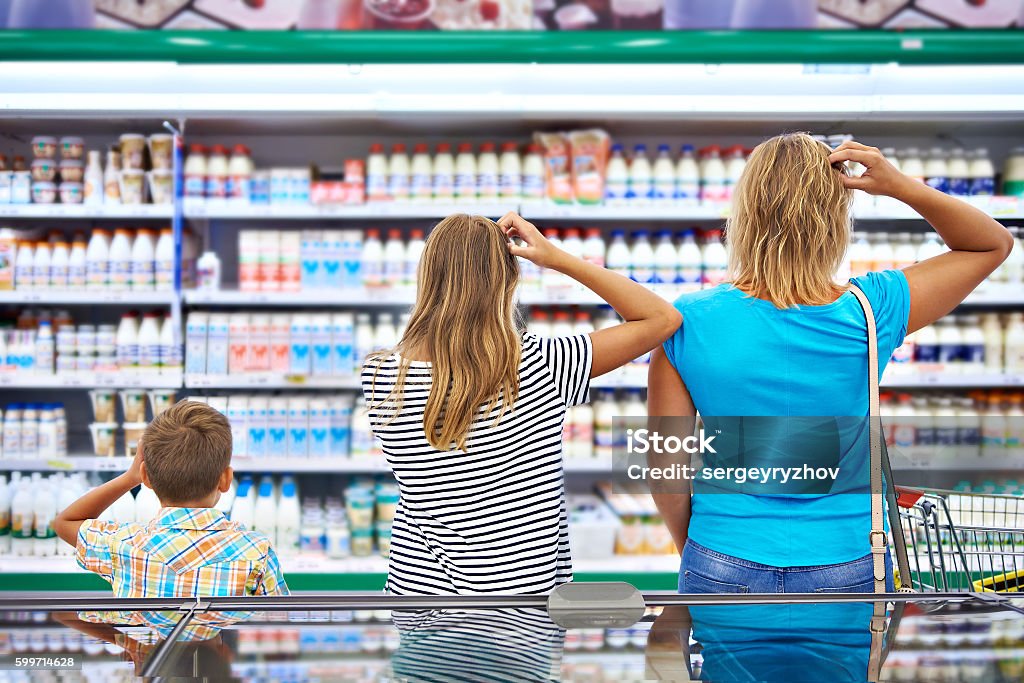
[[790, 223], [466, 322]]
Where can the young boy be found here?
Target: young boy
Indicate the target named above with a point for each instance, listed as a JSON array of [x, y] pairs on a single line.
[[190, 548]]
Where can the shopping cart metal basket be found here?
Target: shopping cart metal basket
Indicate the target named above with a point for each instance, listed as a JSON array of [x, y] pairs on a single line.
[[960, 541]]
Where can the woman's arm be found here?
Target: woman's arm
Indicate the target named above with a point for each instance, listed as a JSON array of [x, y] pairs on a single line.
[[670, 410], [650, 320], [978, 243]]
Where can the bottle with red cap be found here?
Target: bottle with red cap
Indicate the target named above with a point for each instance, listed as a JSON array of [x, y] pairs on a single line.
[[712, 176], [420, 181], [240, 170], [413, 251], [552, 281], [217, 173], [735, 162], [488, 171], [376, 174], [443, 176], [394, 259], [716, 261], [465, 173], [195, 172], [510, 180], [371, 262], [398, 174], [533, 174]]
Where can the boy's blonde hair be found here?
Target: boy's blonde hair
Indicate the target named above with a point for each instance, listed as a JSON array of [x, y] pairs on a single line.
[[186, 450], [790, 222]]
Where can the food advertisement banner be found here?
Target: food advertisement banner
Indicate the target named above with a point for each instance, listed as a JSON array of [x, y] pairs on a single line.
[[515, 15]]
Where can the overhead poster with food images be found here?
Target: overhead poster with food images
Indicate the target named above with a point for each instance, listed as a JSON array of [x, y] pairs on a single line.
[[511, 15]]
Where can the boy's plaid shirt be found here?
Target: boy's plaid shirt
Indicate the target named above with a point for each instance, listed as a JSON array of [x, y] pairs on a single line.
[[182, 552]]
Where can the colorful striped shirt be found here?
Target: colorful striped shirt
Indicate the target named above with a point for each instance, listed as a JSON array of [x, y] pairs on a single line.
[[182, 552]]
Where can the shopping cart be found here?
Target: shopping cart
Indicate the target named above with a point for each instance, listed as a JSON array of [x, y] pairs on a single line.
[[960, 541]]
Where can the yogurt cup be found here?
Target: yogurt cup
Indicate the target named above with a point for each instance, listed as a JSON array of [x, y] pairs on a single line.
[[103, 401], [161, 150], [133, 403], [133, 151], [361, 542], [71, 193], [44, 170], [387, 504], [161, 185], [44, 193], [384, 538], [72, 147], [359, 504], [44, 147], [132, 184], [103, 434], [71, 170], [132, 435], [398, 14], [161, 399]]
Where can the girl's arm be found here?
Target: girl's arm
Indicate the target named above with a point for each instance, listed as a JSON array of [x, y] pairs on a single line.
[[650, 320], [978, 243], [670, 410]]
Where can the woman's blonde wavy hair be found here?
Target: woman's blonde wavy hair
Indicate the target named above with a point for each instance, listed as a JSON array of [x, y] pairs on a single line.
[[466, 322], [790, 224]]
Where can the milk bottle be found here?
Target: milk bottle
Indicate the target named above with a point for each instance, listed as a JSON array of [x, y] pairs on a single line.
[[242, 507], [641, 258], [41, 266], [640, 188], [950, 345], [904, 253], [890, 155], [533, 174], [97, 261], [606, 409], [217, 173], [120, 260], [716, 261], [147, 505], [993, 429], [936, 173], [690, 261], [76, 264], [288, 518], [972, 349], [712, 176], [616, 184], [926, 346], [465, 173], [1013, 267], [376, 174], [443, 174], [195, 172], [583, 431], [911, 164], [561, 325], [487, 169], [930, 247], [737, 161], [666, 264], [992, 331], [398, 174], [420, 181], [573, 245], [386, 334], [687, 177], [411, 257], [265, 508], [371, 262], [142, 273], [127, 341], [540, 324], [511, 179], [959, 173], [618, 258], [593, 247], [149, 341], [882, 256], [24, 266], [982, 174], [664, 177], [364, 338], [551, 280], [394, 259], [582, 323], [1013, 344], [22, 520]]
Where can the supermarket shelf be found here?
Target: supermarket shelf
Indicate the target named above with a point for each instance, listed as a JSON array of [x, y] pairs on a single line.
[[71, 297], [358, 297], [140, 211], [955, 464], [948, 380], [87, 380], [269, 381], [223, 211], [598, 212]]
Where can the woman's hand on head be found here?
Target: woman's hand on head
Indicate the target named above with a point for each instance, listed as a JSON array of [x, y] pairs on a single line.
[[535, 247], [879, 178]]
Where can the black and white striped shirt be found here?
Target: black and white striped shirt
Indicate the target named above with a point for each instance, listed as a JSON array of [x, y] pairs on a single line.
[[492, 519]]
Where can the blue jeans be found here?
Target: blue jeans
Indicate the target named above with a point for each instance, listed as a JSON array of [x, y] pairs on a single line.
[[707, 571]]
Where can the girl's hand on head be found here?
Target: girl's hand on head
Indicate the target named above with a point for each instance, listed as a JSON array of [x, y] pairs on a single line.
[[535, 247], [879, 178]]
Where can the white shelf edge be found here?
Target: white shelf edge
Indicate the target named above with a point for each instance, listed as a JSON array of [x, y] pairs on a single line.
[[53, 296], [270, 381], [196, 210], [140, 211], [89, 380]]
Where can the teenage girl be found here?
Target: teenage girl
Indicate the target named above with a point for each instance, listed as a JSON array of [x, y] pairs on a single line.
[[469, 410]]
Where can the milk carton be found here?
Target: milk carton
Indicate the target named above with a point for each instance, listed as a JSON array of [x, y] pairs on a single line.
[[280, 343], [351, 258], [343, 362], [256, 423], [218, 344], [298, 427], [311, 260], [340, 414], [196, 326], [238, 342], [277, 427], [319, 428], [331, 244], [320, 338], [300, 362], [237, 414]]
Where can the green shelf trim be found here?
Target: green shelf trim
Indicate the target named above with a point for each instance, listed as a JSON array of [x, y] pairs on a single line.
[[937, 46]]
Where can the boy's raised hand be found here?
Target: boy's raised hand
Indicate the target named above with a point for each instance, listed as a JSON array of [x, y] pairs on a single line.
[[134, 472]]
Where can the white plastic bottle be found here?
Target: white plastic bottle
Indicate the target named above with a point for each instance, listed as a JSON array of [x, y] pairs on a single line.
[[127, 341], [687, 190], [385, 336], [111, 179], [12, 431], [443, 174], [147, 505], [163, 260], [641, 258], [959, 173], [288, 518], [593, 247], [712, 176], [950, 344], [860, 255], [240, 170], [195, 172], [41, 266], [376, 174], [664, 173], [142, 277], [911, 164], [24, 266], [992, 331], [716, 261], [208, 272], [243, 505], [170, 351], [882, 255], [420, 181], [59, 261], [398, 174], [45, 352], [641, 188], [30, 430], [616, 181], [736, 161], [1013, 344], [44, 511], [465, 173], [364, 337], [903, 254], [488, 171], [618, 257], [936, 171], [22, 520], [666, 264], [411, 257], [217, 173], [371, 262], [930, 247], [77, 264], [92, 192], [394, 259], [926, 347], [149, 341], [551, 280], [120, 260], [227, 499], [510, 179], [690, 261], [982, 174], [972, 345], [265, 508], [533, 174], [606, 410]]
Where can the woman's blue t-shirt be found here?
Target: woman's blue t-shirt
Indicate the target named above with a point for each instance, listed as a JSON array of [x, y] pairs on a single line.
[[742, 356]]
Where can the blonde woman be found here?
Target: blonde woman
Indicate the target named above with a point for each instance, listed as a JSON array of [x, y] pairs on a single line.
[[470, 410], [783, 339]]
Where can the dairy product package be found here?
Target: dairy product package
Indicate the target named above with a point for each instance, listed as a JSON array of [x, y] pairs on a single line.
[[319, 428], [256, 422], [277, 427], [589, 159], [298, 427], [195, 342], [557, 166], [238, 413]]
